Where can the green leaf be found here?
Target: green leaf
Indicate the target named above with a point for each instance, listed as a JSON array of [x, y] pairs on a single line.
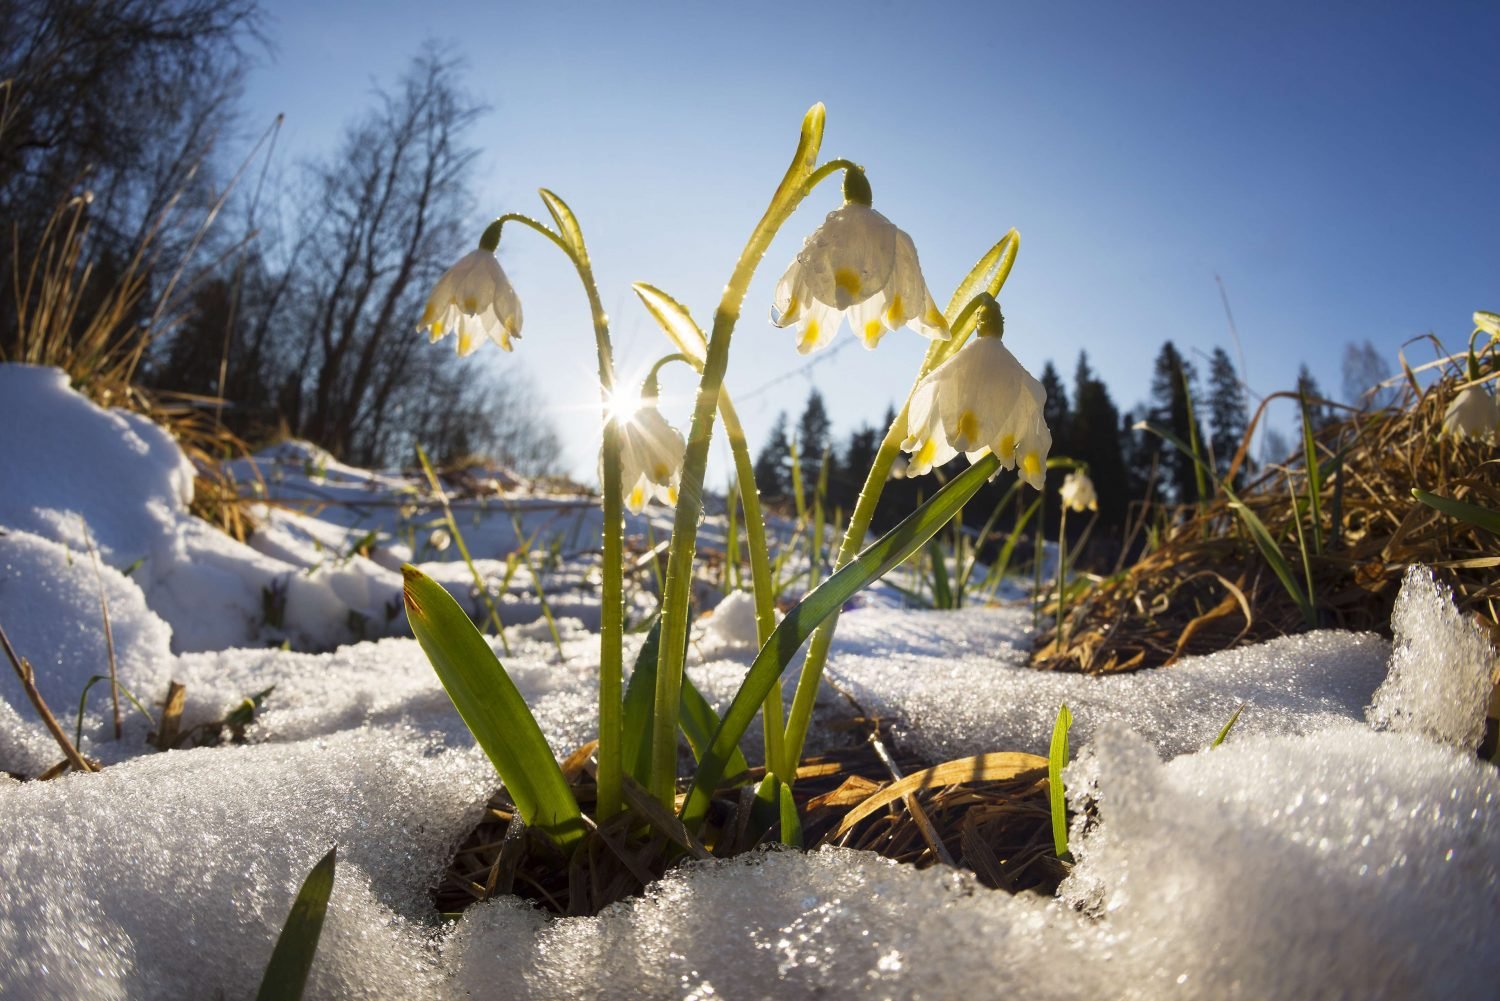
[[987, 275], [567, 223], [791, 823], [674, 320], [493, 709], [291, 960], [1229, 726], [696, 718], [1314, 479], [1057, 759], [1473, 514], [818, 604], [942, 591]]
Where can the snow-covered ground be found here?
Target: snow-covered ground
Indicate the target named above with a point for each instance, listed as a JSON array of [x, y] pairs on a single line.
[[1344, 842]]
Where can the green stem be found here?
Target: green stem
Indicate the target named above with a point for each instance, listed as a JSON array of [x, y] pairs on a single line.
[[795, 185], [1062, 578], [760, 561], [612, 612]]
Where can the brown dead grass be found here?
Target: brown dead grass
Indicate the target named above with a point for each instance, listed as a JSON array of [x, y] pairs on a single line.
[[1206, 587]]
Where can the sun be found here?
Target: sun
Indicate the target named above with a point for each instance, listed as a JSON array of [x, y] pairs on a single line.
[[623, 405]]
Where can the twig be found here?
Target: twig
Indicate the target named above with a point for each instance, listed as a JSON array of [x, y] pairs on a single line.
[[28, 682]]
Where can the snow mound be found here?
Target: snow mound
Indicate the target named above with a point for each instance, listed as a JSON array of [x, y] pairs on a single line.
[[170, 876], [961, 684], [1440, 667], [1345, 863]]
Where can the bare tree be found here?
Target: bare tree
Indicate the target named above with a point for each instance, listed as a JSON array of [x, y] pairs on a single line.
[[387, 212], [1365, 369]]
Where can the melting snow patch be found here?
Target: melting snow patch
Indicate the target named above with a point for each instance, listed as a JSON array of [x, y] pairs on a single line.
[[1440, 667]]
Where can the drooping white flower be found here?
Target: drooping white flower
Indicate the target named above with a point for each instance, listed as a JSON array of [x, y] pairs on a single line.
[[1077, 492], [439, 539], [856, 265], [980, 400], [475, 300], [1488, 322], [1473, 413], [651, 453]]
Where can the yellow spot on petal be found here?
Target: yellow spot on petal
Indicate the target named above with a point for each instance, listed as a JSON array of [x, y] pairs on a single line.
[[661, 471], [968, 430], [925, 454], [933, 318], [809, 337], [465, 342], [671, 495], [1007, 446], [470, 304], [847, 279], [437, 330], [637, 499], [895, 315], [1031, 464], [873, 332]]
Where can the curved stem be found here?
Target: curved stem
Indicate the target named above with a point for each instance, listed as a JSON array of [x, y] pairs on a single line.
[[795, 185], [854, 536], [612, 592], [760, 561]]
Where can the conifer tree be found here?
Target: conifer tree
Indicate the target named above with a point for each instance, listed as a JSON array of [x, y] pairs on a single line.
[[1096, 441], [814, 431], [1173, 397], [771, 465], [1227, 415]]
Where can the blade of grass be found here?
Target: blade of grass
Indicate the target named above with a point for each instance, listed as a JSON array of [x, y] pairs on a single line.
[[292, 958], [493, 709], [1057, 759], [787, 639], [463, 549], [1473, 514], [1259, 534], [1224, 733], [942, 590], [1314, 480]]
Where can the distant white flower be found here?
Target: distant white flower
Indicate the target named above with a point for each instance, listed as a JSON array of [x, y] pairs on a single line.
[[651, 452], [1488, 322], [1077, 492], [474, 299], [980, 400], [1473, 413], [439, 539], [857, 264]]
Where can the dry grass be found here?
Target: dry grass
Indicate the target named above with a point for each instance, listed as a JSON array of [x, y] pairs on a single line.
[[1206, 587], [990, 815]]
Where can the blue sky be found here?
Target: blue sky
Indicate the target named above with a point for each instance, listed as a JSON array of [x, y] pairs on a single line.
[[1338, 165]]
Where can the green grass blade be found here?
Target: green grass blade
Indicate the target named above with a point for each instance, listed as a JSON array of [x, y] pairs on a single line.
[[291, 960], [826, 599], [696, 718], [1224, 733], [1259, 534], [1314, 478], [942, 591], [791, 823], [1008, 551], [640, 694], [492, 708], [1057, 759], [1480, 517]]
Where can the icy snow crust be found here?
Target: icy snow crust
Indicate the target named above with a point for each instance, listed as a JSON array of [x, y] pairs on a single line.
[[1323, 851]]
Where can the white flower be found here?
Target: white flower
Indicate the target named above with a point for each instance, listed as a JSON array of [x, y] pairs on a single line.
[[1488, 322], [1077, 492], [980, 400], [857, 264], [1473, 413], [439, 539], [476, 299], [651, 452]]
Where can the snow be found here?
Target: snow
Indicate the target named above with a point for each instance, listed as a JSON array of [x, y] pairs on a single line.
[[1344, 841]]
